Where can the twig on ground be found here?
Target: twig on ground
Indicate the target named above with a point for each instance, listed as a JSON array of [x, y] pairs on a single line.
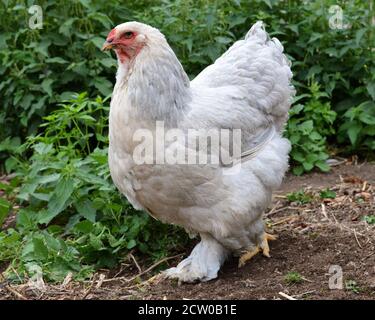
[[286, 296], [16, 273], [67, 279], [282, 209], [135, 262], [364, 186], [273, 209], [287, 219], [334, 217], [368, 256], [307, 280], [304, 293], [324, 211], [279, 196], [100, 281], [356, 239], [86, 293], [15, 292]]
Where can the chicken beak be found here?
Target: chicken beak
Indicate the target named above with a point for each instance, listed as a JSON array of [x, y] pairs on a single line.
[[107, 46]]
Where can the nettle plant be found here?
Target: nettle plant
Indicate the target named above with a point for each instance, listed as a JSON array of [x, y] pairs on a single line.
[[41, 67], [310, 123], [71, 217], [359, 127]]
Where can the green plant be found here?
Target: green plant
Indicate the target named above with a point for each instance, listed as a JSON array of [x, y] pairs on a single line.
[[300, 197], [5, 207], [370, 219], [352, 286], [293, 277], [72, 217], [40, 67], [37, 70], [307, 129], [327, 194], [359, 126]]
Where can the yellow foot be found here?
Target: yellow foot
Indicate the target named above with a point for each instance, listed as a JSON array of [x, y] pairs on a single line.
[[247, 256], [262, 247]]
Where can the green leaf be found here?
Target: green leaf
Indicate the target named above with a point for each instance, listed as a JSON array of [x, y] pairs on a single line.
[[323, 166], [223, 40], [5, 207], [43, 148], [307, 166], [268, 3], [49, 178], [95, 241], [371, 89], [298, 170], [327, 194], [359, 34], [315, 36], [85, 209], [313, 71], [370, 219], [56, 60], [40, 250], [108, 62], [98, 42], [353, 132], [131, 244], [46, 86], [84, 227], [298, 156], [307, 126], [237, 20], [367, 118], [103, 85], [60, 196]]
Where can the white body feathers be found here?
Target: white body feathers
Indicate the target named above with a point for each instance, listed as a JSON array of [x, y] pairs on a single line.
[[248, 88]]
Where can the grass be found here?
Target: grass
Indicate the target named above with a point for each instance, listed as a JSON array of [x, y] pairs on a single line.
[[327, 194], [351, 285], [300, 197], [370, 219], [293, 277]]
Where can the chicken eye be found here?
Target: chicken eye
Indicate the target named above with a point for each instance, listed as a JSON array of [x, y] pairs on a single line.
[[128, 35]]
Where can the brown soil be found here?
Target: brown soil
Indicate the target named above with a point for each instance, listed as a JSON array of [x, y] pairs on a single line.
[[312, 237]]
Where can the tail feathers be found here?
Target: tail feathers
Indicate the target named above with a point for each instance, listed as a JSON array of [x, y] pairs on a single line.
[[257, 32]]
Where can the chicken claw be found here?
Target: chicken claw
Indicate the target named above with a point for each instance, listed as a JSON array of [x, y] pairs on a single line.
[[247, 256], [262, 247]]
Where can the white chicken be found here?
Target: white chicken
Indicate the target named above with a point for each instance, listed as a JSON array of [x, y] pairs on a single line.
[[247, 88]]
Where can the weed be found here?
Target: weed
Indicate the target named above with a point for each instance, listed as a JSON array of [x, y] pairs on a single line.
[[327, 194], [293, 277], [370, 219], [300, 197], [352, 286]]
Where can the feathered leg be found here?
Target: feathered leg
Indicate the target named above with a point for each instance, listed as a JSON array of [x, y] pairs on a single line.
[[203, 263]]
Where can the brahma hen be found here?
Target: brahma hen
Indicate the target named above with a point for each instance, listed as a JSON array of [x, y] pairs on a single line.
[[248, 89]]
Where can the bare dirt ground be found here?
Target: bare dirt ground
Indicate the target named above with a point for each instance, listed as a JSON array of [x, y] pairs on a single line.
[[312, 237]]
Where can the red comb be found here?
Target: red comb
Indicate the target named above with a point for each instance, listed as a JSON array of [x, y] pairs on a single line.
[[111, 35]]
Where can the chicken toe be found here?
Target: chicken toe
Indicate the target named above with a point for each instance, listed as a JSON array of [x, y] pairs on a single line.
[[264, 245], [247, 256]]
